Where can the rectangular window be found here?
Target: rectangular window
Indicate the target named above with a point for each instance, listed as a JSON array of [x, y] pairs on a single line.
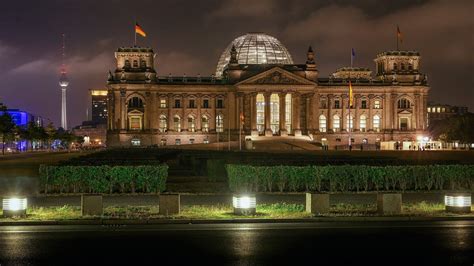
[[220, 103], [191, 104], [323, 104], [162, 103], [177, 103], [337, 104], [205, 103], [363, 104], [377, 104]]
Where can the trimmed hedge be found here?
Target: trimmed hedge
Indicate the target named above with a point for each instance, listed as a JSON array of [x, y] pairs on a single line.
[[103, 179], [344, 178]]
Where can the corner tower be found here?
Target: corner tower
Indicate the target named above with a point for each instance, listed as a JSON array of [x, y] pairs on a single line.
[[134, 64], [399, 66]]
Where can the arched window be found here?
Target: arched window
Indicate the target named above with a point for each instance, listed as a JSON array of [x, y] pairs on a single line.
[[142, 64], [349, 122], [191, 123], [135, 102], [395, 66], [177, 123], [410, 66], [402, 66], [336, 123], [163, 123], [135, 63], [260, 113], [205, 124], [322, 123], [275, 113], [376, 123], [403, 104], [288, 108], [220, 123], [127, 64], [363, 123]]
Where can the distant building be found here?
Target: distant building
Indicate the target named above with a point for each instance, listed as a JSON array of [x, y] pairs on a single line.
[[99, 106], [94, 134], [22, 119], [438, 111]]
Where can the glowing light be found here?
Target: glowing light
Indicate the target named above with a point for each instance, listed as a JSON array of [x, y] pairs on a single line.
[[14, 206], [98, 92], [419, 138], [458, 202], [244, 204]]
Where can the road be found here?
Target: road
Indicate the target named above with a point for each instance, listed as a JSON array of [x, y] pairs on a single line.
[[367, 243]]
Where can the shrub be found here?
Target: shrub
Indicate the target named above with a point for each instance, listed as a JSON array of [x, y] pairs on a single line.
[[103, 179], [247, 178]]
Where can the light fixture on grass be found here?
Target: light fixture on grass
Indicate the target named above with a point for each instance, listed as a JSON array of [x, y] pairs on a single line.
[[14, 206], [458, 202], [244, 204]]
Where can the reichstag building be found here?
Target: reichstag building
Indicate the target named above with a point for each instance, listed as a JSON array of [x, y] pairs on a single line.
[[258, 90]]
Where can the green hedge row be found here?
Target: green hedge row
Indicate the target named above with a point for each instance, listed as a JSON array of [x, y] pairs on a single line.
[[103, 179], [247, 178]]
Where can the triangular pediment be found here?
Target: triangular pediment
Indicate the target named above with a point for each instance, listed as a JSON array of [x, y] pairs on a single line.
[[404, 112], [275, 76]]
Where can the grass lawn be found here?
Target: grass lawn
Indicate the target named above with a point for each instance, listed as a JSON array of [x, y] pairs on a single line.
[[265, 211]]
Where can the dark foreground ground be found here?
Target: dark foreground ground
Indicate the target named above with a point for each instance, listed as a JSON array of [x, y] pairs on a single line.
[[368, 243]]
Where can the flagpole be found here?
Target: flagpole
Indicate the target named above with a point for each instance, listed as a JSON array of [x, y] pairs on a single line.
[[135, 33]]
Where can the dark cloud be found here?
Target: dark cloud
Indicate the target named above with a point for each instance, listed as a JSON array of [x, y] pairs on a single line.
[[188, 37]]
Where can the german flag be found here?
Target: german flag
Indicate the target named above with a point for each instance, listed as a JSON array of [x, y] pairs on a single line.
[[351, 96], [139, 30]]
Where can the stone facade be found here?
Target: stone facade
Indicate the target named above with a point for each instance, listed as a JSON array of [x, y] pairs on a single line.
[[267, 101]]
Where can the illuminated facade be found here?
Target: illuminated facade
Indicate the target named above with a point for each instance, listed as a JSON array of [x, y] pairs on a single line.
[[276, 99]]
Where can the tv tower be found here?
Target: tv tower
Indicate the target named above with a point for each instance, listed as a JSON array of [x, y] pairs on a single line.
[[63, 83]]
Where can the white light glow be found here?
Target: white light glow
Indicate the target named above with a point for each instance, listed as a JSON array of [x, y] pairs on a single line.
[[457, 201], [244, 202], [14, 204]]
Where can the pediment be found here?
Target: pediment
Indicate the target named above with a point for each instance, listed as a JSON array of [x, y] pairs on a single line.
[[276, 76], [404, 112]]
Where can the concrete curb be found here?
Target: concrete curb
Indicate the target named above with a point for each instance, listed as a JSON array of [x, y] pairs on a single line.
[[118, 222]]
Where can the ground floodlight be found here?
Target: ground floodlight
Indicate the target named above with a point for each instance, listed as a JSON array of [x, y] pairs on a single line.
[[14, 206], [244, 204], [458, 202]]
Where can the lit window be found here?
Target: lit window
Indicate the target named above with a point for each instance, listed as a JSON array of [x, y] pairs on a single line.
[[220, 123], [191, 124], [376, 123], [322, 123], [349, 122], [136, 142], [429, 109], [162, 103], [177, 123], [205, 124], [363, 123], [336, 123], [135, 123], [163, 123], [376, 104]]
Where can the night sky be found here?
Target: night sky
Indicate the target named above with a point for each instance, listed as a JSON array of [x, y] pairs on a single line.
[[189, 36]]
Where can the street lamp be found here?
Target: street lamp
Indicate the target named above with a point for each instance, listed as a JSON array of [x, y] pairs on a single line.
[[244, 204], [458, 202], [14, 206]]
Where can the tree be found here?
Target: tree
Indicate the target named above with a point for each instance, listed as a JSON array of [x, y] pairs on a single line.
[[7, 127], [51, 134], [456, 128]]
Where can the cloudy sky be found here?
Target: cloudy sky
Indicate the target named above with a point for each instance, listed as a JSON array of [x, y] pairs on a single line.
[[188, 37]]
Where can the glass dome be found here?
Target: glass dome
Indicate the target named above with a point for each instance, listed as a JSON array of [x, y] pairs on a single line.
[[255, 48]]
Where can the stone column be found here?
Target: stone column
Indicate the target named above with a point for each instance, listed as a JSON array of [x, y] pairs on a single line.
[[212, 121], [418, 112], [423, 111], [253, 114], [315, 112], [329, 118], [371, 105], [170, 113], [123, 110], [308, 126], [268, 130], [198, 115], [184, 119], [344, 113], [356, 125], [282, 121], [296, 114], [394, 112]]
